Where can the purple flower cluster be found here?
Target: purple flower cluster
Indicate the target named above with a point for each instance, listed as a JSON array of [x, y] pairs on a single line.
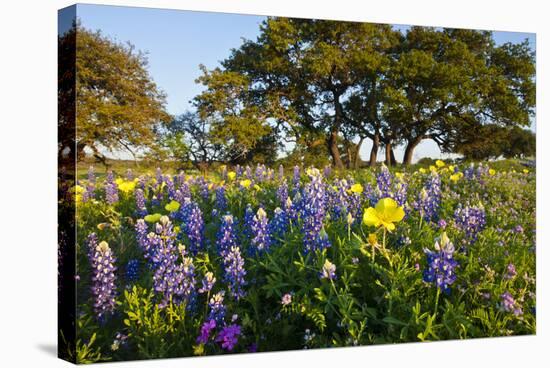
[[207, 283], [429, 198], [282, 192], [89, 193], [234, 272], [206, 328], [229, 336], [313, 214], [383, 183], [193, 225], [247, 223], [141, 208], [226, 238], [102, 262], [221, 200], [296, 179], [174, 281], [111, 189], [132, 270], [441, 264], [279, 224], [509, 304], [261, 239], [216, 307], [471, 220]]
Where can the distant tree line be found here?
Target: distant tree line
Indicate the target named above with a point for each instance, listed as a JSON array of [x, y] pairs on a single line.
[[318, 89]]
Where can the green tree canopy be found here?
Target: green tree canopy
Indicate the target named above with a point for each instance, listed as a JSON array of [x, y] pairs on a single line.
[[118, 105]]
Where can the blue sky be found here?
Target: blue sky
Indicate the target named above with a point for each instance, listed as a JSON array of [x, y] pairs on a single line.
[[178, 41]]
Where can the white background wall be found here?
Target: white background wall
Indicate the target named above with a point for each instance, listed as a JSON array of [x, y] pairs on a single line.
[[28, 69]]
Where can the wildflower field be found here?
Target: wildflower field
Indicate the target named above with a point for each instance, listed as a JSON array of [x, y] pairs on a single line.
[[253, 259]]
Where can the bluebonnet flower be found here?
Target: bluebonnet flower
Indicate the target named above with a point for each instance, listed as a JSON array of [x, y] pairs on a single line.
[[142, 237], [441, 264], [89, 193], [518, 229], [260, 173], [509, 304], [400, 194], [261, 240], [239, 170], [226, 238], [111, 189], [229, 337], [175, 282], [141, 209], [193, 225], [132, 270], [207, 282], [170, 186], [216, 307], [203, 187], [282, 192], [221, 201], [102, 262], [185, 192], [248, 172], [471, 220], [278, 226], [328, 271], [383, 183], [206, 328], [234, 272], [429, 198], [247, 223], [442, 224], [313, 213]]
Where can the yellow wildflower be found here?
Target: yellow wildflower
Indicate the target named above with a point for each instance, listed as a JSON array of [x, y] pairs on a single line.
[[492, 172], [385, 213], [439, 163], [357, 188], [245, 183], [231, 175]]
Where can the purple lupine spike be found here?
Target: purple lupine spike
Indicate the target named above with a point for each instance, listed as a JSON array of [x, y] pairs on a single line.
[[261, 240], [278, 226], [441, 264], [141, 208], [313, 213], [193, 225], [471, 220], [111, 189], [216, 307], [89, 193], [221, 200], [226, 238], [282, 192], [102, 262], [234, 272], [429, 198]]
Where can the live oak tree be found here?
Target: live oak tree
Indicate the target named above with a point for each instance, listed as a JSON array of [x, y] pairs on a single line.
[[118, 105]]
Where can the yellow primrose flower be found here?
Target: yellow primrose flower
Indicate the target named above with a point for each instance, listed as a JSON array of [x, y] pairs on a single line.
[[525, 171], [399, 175], [492, 172], [422, 170], [439, 163], [231, 175], [385, 213], [245, 183], [78, 189], [173, 206], [126, 186], [451, 168], [357, 188], [119, 181], [257, 187], [456, 177], [433, 168]]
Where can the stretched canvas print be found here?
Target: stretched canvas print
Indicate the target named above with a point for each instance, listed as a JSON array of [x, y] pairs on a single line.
[[238, 184]]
